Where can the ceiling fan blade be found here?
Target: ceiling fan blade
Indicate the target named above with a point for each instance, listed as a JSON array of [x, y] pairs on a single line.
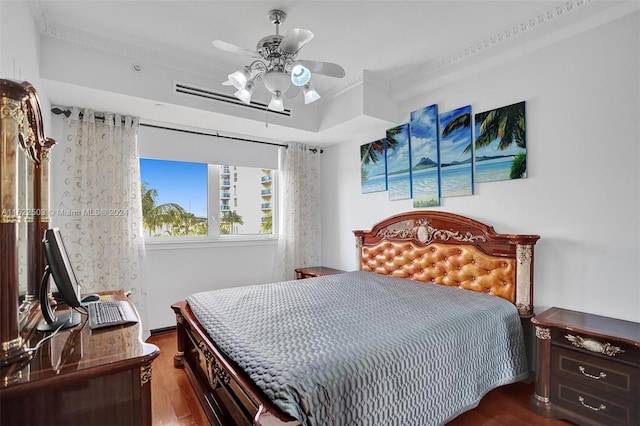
[[294, 40], [232, 48], [324, 68]]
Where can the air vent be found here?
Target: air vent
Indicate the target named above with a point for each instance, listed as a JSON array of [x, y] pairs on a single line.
[[188, 90]]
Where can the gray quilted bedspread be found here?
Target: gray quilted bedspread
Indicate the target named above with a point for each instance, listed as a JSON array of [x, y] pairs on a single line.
[[366, 349]]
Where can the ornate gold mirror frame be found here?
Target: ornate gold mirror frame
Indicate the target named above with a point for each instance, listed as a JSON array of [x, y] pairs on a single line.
[[24, 201]]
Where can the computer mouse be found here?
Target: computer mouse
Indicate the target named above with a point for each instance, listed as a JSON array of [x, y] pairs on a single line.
[[90, 298]]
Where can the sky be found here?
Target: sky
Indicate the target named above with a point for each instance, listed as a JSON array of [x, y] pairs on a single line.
[[177, 182], [424, 134], [452, 147], [398, 158]]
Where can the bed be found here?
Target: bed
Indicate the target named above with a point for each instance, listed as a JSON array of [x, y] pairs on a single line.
[[434, 317]]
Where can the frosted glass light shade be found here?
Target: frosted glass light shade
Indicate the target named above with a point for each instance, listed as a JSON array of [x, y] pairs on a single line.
[[310, 94], [276, 81], [300, 75], [277, 103], [245, 94], [239, 78]]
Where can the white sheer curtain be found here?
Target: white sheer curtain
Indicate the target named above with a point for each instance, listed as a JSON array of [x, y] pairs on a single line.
[[100, 211], [299, 237]]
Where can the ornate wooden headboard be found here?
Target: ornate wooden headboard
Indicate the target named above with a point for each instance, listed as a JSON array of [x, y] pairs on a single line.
[[448, 249]]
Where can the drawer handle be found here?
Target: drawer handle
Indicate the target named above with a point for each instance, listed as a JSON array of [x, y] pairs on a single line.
[[602, 407], [584, 373]]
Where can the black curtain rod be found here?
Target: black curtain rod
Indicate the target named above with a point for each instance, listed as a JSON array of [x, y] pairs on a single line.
[[67, 113], [217, 135]]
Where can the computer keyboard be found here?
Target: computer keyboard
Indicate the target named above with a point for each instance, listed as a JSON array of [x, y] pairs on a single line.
[[108, 313]]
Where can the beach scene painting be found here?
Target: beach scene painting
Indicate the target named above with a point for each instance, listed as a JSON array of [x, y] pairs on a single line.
[[456, 153], [373, 167], [501, 144], [398, 162], [425, 176]]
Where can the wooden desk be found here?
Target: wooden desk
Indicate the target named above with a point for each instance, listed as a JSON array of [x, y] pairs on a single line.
[[82, 377]]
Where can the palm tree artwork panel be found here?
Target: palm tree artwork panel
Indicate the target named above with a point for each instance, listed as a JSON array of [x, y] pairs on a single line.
[[425, 163], [501, 144], [456, 156], [373, 167], [399, 162]]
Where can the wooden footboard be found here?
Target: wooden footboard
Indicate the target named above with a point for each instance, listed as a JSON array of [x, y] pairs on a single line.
[[226, 394]]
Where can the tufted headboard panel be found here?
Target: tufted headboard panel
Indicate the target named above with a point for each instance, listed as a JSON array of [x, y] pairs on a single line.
[[448, 249]]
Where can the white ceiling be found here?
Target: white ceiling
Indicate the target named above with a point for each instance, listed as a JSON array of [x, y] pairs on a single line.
[[385, 38]]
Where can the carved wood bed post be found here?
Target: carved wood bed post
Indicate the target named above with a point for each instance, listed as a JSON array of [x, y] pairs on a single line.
[[178, 358], [524, 280], [359, 252]]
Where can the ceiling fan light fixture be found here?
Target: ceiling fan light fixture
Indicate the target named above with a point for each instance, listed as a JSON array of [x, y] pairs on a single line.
[[274, 64], [310, 94], [277, 103], [245, 94], [240, 78], [300, 75]]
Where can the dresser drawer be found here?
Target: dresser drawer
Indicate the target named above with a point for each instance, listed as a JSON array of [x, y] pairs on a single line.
[[591, 403], [606, 347], [603, 374]]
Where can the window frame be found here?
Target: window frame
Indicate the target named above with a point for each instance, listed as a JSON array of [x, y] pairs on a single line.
[[214, 238]]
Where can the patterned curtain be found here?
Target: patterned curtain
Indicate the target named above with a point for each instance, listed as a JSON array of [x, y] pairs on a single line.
[[100, 211], [299, 238]]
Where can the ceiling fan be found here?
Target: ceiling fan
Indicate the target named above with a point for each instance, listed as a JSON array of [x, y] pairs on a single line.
[[276, 65]]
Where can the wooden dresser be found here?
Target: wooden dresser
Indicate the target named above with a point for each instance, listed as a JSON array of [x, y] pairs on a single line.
[[316, 271], [81, 377], [588, 368]]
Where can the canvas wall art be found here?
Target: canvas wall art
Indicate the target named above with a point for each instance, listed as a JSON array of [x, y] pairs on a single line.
[[398, 162], [456, 153], [425, 176], [373, 167], [501, 144]]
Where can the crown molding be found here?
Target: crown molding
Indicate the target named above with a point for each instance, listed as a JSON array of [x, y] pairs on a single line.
[[509, 33], [345, 85]]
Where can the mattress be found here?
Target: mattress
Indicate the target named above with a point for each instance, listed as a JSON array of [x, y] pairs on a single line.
[[366, 349]]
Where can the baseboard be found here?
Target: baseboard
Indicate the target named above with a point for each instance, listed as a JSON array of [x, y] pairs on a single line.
[[163, 330]]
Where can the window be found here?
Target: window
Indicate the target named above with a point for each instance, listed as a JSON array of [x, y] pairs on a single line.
[[185, 199], [174, 198], [206, 187]]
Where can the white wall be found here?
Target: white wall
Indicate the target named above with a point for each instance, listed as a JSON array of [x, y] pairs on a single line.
[[20, 50], [583, 191], [174, 273]]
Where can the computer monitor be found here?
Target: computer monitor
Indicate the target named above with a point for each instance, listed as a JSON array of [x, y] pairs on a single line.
[[59, 267]]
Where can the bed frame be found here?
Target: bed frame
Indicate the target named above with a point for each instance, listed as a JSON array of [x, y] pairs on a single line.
[[430, 246]]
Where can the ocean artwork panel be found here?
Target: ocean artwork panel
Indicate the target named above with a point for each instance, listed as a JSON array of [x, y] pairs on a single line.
[[425, 176], [398, 162], [373, 167], [501, 144], [456, 153]]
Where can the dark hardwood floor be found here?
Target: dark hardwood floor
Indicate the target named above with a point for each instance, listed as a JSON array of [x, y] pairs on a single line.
[[174, 403]]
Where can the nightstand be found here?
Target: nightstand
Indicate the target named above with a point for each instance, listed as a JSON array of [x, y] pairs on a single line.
[[316, 271], [587, 368]]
